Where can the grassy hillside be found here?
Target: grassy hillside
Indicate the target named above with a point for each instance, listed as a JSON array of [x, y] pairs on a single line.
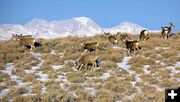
[[49, 73]]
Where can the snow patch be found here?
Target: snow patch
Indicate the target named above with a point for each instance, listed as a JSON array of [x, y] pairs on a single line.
[[162, 48], [106, 75], [42, 77], [91, 90], [4, 92]]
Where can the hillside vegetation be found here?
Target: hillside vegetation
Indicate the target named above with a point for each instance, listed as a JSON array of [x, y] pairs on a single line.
[[49, 74]]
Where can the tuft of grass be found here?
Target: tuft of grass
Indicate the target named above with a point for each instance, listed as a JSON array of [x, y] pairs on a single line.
[[18, 72], [75, 77], [170, 53], [26, 61], [149, 79], [141, 60], [29, 77], [53, 59], [36, 87], [164, 73], [107, 64]]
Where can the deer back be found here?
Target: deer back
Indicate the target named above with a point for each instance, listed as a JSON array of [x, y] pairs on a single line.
[[26, 41]]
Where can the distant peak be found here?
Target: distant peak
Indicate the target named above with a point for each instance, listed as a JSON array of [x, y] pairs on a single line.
[[127, 23], [82, 19], [38, 19]]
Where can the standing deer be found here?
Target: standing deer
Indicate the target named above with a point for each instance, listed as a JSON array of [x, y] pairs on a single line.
[[144, 35], [16, 36], [93, 46], [123, 36], [111, 38], [87, 59], [166, 31], [24, 41], [132, 45]]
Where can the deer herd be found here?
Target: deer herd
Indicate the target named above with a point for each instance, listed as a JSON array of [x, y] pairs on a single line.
[[89, 56]]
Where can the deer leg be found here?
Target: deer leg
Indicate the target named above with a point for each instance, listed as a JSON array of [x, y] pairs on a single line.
[[86, 66], [79, 68], [162, 36], [95, 65]]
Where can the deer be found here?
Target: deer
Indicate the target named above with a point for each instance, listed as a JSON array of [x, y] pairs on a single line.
[[166, 31], [123, 36], [144, 35], [112, 39], [16, 36], [132, 45], [86, 59], [25, 41], [93, 46]]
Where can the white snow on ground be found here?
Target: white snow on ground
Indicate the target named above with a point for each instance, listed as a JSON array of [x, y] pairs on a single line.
[[9, 68], [67, 89], [177, 64], [124, 65], [173, 71], [56, 67], [162, 48], [106, 75], [91, 90], [44, 89], [146, 69], [118, 101], [29, 71], [4, 92], [28, 95], [42, 77], [62, 78], [16, 79]]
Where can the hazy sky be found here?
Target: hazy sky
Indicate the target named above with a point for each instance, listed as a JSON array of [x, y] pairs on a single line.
[[151, 14]]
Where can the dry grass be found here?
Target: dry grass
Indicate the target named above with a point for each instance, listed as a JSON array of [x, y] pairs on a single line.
[[156, 52], [141, 60], [53, 59], [75, 77]]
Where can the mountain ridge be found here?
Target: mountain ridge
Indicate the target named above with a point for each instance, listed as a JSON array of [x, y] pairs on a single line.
[[78, 26]]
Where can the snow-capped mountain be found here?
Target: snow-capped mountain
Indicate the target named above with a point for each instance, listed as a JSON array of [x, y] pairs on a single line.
[[126, 27], [79, 26]]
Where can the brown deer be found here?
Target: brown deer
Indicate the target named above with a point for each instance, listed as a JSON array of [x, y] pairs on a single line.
[[25, 41], [93, 46], [144, 35], [132, 45], [87, 59], [166, 31], [123, 36], [112, 39], [16, 36]]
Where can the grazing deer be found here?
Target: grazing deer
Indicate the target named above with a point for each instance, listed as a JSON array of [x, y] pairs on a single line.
[[166, 31], [87, 59], [144, 35], [90, 46], [132, 45], [27, 42], [112, 39]]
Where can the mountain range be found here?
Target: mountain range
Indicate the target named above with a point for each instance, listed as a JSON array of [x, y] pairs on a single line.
[[77, 26]]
